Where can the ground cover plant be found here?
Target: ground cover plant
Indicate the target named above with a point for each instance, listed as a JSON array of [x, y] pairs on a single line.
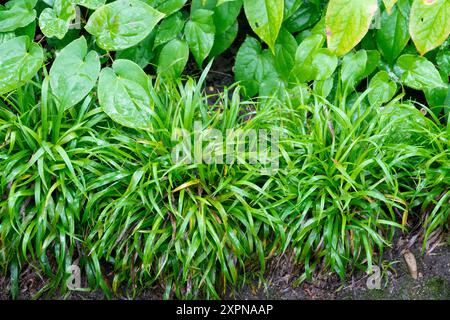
[[101, 110]]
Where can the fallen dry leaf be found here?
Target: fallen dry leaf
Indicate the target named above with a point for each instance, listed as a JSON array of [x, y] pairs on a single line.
[[411, 262]]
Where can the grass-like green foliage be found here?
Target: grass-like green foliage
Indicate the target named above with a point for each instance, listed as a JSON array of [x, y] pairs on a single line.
[[77, 188], [353, 174]]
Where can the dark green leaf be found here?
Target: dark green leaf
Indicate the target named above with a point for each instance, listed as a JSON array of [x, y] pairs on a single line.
[[199, 33]]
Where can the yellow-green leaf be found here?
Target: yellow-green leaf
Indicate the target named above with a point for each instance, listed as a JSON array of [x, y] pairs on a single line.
[[347, 22], [265, 18], [429, 23]]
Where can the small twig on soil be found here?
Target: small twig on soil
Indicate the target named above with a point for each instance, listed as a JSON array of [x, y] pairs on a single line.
[[221, 73]]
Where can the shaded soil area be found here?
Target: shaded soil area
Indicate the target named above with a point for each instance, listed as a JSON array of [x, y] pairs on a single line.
[[396, 282], [432, 283]]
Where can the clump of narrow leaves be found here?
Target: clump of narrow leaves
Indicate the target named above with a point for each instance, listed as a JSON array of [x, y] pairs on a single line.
[[95, 101], [346, 174], [79, 189]]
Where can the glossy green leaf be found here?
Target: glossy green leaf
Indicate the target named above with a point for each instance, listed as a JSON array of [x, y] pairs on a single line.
[[373, 60], [5, 36], [91, 4], [122, 24], [199, 33], [324, 64], [20, 60], [225, 22], [29, 30], [173, 59], [389, 4], [273, 86], [253, 66], [323, 88], [291, 7], [142, 53], [224, 40], [16, 14], [74, 73], [429, 24], [265, 18], [443, 60], [436, 97], [353, 68], [306, 16], [304, 70], [418, 73], [382, 89], [203, 4], [347, 22], [169, 28], [167, 6], [55, 22], [225, 15], [285, 50], [124, 95], [393, 36]]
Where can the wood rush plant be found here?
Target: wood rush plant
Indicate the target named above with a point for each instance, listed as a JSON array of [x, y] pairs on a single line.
[[97, 96]]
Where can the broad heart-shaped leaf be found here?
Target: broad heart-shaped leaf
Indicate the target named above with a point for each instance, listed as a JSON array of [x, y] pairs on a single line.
[[55, 22], [5, 36], [303, 70], [253, 66], [169, 28], [173, 58], [74, 73], [436, 98], [389, 4], [429, 24], [290, 7], [225, 21], [323, 87], [306, 16], [347, 22], [20, 60], [142, 53], [373, 60], [382, 89], [353, 68], [393, 36], [51, 26], [285, 50], [265, 18], [224, 40], [91, 4], [123, 93], [225, 15], [17, 14], [225, 12], [167, 6], [199, 33], [443, 60], [418, 73], [122, 24], [324, 64], [29, 30]]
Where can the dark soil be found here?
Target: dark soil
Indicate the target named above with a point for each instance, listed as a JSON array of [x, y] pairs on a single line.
[[433, 280]]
